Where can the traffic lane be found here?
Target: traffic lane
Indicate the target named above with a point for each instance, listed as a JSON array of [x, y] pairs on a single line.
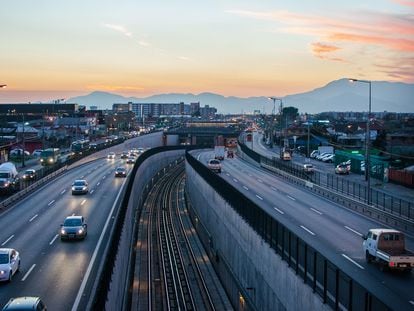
[[40, 200], [327, 234], [45, 230]]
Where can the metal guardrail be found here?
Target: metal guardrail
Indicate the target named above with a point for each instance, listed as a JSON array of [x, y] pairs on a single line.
[[336, 287], [393, 205]]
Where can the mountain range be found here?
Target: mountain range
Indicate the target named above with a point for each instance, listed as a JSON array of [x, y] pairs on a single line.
[[338, 95]]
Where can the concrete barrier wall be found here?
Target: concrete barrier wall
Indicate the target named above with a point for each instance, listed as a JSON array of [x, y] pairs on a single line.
[[145, 177], [263, 278]]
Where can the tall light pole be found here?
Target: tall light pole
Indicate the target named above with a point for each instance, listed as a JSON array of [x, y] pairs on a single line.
[[367, 142], [280, 112]]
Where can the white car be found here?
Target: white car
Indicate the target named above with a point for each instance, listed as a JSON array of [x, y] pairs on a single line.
[[111, 155], [328, 159], [323, 155], [36, 153], [9, 263], [214, 165]]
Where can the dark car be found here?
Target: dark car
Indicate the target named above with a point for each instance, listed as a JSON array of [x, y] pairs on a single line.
[[29, 174], [125, 155], [80, 186], [25, 303], [120, 172], [131, 160], [74, 227]]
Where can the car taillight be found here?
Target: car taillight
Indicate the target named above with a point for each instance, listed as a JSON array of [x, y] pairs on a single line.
[[392, 264]]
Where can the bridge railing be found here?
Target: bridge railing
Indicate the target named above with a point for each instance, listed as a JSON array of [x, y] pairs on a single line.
[[336, 286]]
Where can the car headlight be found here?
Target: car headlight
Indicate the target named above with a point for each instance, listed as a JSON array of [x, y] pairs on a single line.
[[41, 160], [73, 188], [2, 272], [51, 160], [80, 231], [24, 176], [6, 184], [62, 231], [84, 188]]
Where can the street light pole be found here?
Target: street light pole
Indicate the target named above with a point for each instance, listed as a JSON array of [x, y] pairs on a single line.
[[367, 142], [280, 112], [24, 143]]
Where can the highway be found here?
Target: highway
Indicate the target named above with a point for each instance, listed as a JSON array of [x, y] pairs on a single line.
[[333, 230], [59, 272]]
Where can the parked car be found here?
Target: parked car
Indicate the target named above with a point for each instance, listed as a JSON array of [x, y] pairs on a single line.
[[36, 153], [214, 165], [314, 154], [80, 186], [74, 227], [120, 172], [25, 304], [322, 156], [329, 158], [9, 263], [29, 174]]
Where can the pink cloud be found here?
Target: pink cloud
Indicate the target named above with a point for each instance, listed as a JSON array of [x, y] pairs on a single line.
[[405, 2], [323, 51]]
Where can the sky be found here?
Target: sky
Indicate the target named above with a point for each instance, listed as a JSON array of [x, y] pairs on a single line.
[[52, 49]]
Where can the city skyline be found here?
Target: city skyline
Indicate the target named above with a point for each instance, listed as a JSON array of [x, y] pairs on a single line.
[[60, 50]]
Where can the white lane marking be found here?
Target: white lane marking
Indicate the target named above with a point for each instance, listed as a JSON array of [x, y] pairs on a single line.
[[246, 188], [354, 231], [412, 302], [11, 237], [104, 176], [95, 252], [278, 210], [28, 272], [54, 239], [51, 202], [235, 180], [198, 157], [355, 263], [91, 191], [259, 180], [82, 176], [227, 174], [274, 189], [316, 211], [259, 197], [33, 218], [307, 230], [250, 175], [98, 183], [63, 191], [292, 198], [83, 202]]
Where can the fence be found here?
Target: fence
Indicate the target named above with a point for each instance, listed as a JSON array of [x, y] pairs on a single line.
[[336, 288], [386, 202]]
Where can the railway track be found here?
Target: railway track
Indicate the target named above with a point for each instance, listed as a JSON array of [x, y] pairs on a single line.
[[174, 272]]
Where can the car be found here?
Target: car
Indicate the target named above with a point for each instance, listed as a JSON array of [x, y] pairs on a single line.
[[322, 155], [111, 155], [342, 168], [25, 303], [74, 227], [19, 152], [308, 168], [134, 152], [36, 153], [125, 155], [120, 172], [140, 150], [131, 160], [9, 263], [29, 174], [214, 165], [80, 186], [329, 158]]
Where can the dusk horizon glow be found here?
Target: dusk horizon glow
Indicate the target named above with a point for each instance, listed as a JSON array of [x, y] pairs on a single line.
[[233, 48]]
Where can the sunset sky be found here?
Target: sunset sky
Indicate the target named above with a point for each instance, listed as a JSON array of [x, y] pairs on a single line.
[[57, 49]]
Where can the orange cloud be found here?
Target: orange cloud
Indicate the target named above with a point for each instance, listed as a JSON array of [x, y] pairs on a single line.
[[323, 51]]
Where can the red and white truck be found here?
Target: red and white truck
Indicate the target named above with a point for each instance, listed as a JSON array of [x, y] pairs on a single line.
[[387, 247]]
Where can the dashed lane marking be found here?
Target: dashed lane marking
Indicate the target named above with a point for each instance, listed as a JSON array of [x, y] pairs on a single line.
[[353, 261], [235, 180], [98, 183], [51, 202], [5, 242], [246, 188], [33, 218], [28, 272], [274, 189], [91, 191], [83, 202], [354, 231], [63, 191], [292, 198], [259, 197], [54, 239], [316, 211], [278, 210], [307, 230]]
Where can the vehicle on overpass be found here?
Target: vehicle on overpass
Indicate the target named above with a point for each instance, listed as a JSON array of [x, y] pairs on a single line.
[[50, 156], [9, 263], [80, 146], [387, 247], [214, 165]]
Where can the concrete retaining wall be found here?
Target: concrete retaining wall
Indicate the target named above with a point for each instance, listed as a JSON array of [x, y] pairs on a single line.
[[263, 278]]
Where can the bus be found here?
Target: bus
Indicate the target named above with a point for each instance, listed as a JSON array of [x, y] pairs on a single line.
[[50, 156], [80, 146]]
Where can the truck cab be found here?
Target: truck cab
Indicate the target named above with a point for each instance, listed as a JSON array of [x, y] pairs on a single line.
[[9, 180]]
